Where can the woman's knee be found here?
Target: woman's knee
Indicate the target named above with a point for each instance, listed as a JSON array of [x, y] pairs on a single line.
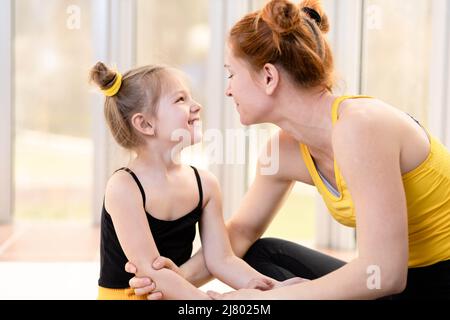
[[261, 249]]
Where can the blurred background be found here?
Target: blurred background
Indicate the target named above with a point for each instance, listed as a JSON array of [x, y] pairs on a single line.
[[56, 153]]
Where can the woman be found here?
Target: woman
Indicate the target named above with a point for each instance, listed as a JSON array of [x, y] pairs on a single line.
[[376, 168]]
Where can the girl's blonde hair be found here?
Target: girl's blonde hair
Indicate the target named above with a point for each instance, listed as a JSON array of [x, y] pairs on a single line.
[[140, 91]]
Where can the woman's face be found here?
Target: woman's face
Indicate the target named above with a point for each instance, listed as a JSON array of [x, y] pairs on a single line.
[[247, 90]]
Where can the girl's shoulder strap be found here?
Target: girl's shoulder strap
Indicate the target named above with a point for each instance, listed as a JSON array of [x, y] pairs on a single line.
[[133, 175], [199, 185]]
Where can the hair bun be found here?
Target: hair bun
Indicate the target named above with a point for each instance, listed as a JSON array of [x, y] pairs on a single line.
[[313, 10], [281, 16], [313, 14], [102, 76]]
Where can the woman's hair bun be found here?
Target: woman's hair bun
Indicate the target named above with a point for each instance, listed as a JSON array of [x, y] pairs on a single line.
[[313, 10], [281, 16]]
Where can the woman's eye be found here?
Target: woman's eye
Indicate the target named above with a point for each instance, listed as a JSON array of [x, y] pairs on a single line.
[[230, 76]]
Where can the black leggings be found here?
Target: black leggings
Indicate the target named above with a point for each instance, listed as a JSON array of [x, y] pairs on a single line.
[[281, 260]]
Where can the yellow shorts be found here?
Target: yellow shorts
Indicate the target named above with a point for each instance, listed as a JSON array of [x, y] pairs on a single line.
[[118, 294]]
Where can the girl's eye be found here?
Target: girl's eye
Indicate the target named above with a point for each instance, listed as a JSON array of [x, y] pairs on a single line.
[[230, 76], [180, 99]]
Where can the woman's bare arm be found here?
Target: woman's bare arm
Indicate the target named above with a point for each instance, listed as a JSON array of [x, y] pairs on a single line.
[[367, 150]]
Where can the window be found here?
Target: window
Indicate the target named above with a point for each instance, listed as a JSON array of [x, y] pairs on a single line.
[[397, 46], [177, 33], [53, 145]]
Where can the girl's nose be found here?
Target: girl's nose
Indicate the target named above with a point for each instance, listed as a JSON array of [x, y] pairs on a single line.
[[196, 107]]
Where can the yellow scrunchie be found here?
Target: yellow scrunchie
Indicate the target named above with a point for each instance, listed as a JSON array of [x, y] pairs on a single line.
[[115, 87]]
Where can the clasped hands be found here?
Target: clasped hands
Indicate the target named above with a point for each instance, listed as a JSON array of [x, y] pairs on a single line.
[[145, 286]]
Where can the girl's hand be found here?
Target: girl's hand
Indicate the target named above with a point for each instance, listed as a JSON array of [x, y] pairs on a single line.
[[163, 262]]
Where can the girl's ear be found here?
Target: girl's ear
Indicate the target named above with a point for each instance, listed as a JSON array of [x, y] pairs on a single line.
[[142, 124], [271, 78]]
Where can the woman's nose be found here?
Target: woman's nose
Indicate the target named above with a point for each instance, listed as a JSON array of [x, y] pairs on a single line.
[[228, 91]]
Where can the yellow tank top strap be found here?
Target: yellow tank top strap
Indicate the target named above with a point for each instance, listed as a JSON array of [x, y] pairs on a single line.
[[337, 102]]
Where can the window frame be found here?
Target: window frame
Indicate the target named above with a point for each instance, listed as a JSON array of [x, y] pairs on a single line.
[[232, 177], [439, 86], [114, 43], [6, 105]]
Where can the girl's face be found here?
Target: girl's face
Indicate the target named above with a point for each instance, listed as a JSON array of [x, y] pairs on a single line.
[[178, 115], [244, 87]]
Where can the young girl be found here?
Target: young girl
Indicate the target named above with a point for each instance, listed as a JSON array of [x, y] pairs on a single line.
[[151, 207]]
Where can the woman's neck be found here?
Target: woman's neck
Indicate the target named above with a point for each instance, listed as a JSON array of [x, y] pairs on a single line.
[[306, 116]]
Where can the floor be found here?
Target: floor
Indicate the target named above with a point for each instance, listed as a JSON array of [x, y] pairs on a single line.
[[60, 261]]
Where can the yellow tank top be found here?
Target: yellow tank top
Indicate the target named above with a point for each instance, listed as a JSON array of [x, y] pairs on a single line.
[[427, 190]]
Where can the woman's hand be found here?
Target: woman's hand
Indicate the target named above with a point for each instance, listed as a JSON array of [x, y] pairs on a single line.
[[145, 286], [265, 283], [241, 294], [255, 293], [289, 282], [262, 284]]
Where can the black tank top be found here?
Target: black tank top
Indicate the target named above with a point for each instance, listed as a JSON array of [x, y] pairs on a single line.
[[173, 240]]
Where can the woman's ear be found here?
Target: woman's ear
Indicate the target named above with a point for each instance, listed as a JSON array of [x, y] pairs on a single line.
[[143, 124], [271, 78]]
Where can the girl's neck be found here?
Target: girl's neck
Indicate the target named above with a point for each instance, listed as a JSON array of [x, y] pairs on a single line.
[[152, 158]]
